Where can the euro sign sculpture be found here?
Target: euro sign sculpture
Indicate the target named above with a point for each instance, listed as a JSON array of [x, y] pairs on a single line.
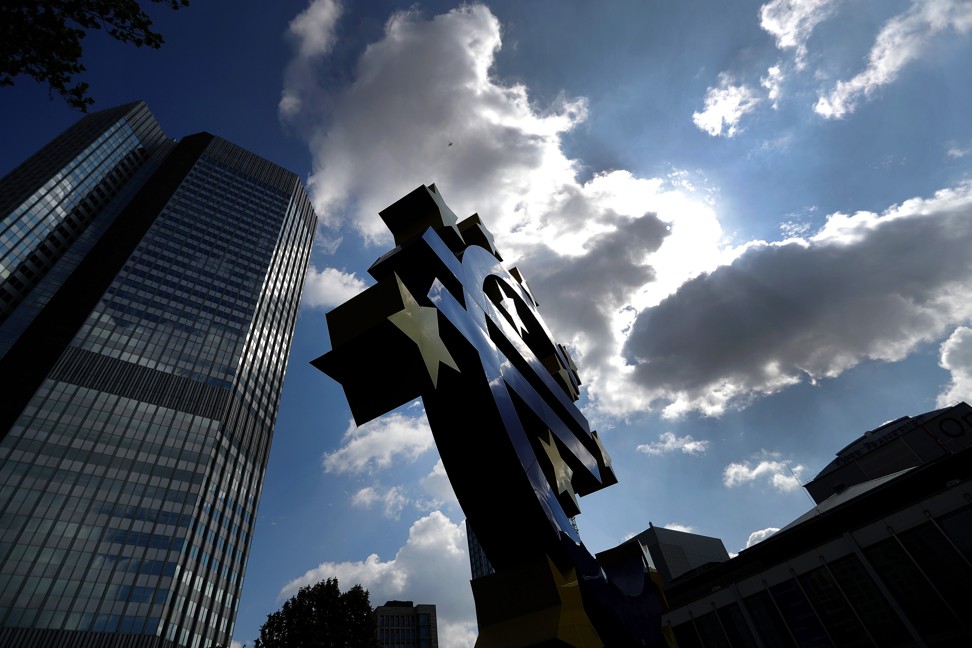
[[445, 321]]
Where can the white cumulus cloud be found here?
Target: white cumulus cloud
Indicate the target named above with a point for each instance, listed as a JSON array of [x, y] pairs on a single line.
[[956, 357], [675, 526], [773, 83], [314, 33], [725, 106], [759, 536], [791, 22], [432, 567], [439, 488], [901, 40], [956, 152], [391, 128], [375, 444], [392, 499], [330, 287], [777, 473], [669, 442], [313, 28]]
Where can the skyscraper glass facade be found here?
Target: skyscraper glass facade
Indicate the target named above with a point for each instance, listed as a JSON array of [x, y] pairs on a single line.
[[129, 481], [50, 203]]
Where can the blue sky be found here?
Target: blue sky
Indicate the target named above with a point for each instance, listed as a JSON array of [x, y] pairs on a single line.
[[750, 222]]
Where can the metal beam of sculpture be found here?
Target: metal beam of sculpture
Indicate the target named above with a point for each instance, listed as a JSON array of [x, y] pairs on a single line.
[[447, 322]]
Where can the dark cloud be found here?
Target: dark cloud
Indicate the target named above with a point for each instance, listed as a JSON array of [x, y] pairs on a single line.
[[867, 287], [580, 295]]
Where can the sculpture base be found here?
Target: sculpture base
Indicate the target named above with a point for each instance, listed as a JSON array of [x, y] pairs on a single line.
[[533, 605]]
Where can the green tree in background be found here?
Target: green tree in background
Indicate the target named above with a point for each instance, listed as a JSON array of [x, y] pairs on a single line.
[[321, 616], [42, 38]]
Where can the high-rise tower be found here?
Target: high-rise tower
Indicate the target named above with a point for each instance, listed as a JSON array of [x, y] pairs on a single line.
[[149, 294]]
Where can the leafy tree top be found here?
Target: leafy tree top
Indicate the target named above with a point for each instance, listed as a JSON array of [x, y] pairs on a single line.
[[321, 616], [42, 39]]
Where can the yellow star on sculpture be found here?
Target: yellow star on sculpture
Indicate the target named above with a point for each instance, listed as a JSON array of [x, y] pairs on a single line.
[[564, 374], [600, 447], [562, 472], [421, 324], [574, 626]]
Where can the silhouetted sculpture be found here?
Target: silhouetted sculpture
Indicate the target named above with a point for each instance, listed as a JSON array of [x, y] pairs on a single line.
[[447, 322]]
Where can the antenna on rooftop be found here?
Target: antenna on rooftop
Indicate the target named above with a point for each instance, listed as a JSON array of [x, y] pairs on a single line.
[[797, 480]]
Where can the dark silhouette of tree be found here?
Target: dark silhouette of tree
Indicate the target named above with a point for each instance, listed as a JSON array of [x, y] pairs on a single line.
[[320, 616], [42, 38]]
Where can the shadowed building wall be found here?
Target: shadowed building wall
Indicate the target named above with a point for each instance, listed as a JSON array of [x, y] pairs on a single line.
[[885, 562]]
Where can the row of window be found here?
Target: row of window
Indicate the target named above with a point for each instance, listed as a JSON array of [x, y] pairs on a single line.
[[921, 589], [55, 215]]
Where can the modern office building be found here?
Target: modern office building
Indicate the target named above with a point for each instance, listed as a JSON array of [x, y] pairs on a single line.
[[149, 295], [401, 624], [884, 561]]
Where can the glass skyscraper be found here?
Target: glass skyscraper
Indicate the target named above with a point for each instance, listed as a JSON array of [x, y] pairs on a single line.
[[149, 293]]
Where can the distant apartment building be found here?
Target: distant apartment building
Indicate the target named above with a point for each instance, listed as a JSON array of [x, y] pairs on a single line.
[[402, 624]]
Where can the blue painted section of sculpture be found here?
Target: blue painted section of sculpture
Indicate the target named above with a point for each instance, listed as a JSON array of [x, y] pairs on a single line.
[[446, 321]]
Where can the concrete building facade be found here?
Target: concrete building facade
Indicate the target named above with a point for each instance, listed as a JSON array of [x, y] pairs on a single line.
[[882, 562]]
